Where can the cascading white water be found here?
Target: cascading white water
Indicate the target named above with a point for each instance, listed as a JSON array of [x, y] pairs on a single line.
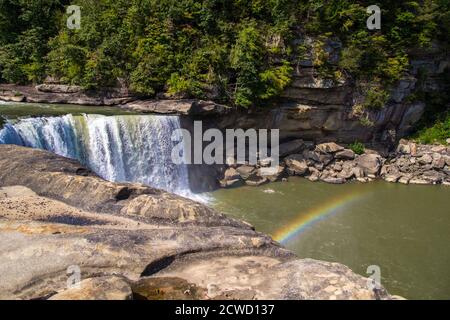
[[118, 148]]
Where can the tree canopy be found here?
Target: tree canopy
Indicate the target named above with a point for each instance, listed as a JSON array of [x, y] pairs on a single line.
[[241, 52]]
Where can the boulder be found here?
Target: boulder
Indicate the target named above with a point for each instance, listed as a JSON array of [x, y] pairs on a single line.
[[346, 173], [102, 288], [332, 180], [439, 149], [407, 147], [291, 147], [256, 180], [426, 159], [369, 163], [447, 160], [296, 165], [358, 172], [329, 147], [405, 179], [433, 177], [404, 148], [391, 177], [418, 180], [272, 174], [439, 161], [246, 171], [314, 177], [325, 159], [345, 154], [231, 174], [230, 183]]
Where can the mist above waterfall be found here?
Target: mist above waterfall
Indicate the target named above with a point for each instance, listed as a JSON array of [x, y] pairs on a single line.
[[118, 148]]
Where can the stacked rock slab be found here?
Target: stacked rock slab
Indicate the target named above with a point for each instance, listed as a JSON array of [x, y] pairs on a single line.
[[332, 163]]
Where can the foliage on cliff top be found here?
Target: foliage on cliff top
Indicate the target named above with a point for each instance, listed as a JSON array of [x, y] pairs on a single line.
[[240, 52]]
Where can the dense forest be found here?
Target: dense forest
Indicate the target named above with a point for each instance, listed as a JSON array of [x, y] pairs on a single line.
[[241, 52]]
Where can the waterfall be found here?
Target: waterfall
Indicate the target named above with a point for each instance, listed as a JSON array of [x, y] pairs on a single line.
[[118, 148]]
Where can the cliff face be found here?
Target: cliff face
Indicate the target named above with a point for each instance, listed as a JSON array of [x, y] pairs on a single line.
[[131, 240], [322, 110]]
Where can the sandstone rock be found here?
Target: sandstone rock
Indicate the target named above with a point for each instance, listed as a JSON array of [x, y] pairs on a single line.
[[333, 180], [439, 161], [58, 88], [230, 183], [180, 106], [319, 166], [246, 171], [300, 279], [405, 179], [425, 159], [433, 177], [291, 147], [418, 180], [256, 180], [330, 147], [447, 160], [346, 154], [404, 148], [231, 174], [358, 172], [66, 180], [167, 288], [296, 165], [13, 97], [102, 288], [439, 149], [62, 94], [272, 174], [346, 173], [369, 163], [448, 141], [313, 177], [391, 178], [325, 159]]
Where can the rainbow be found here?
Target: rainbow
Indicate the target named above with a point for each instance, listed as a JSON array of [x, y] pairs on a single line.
[[314, 215]]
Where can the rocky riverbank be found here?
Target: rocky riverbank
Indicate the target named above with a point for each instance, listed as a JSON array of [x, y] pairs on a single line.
[[66, 94], [132, 241], [410, 163]]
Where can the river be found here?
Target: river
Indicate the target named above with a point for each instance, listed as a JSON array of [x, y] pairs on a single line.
[[402, 229]]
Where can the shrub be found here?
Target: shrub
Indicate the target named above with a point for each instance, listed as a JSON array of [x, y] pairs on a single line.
[[375, 98], [357, 147], [438, 133]]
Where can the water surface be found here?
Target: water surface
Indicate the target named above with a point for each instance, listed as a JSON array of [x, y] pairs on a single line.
[[405, 230]]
